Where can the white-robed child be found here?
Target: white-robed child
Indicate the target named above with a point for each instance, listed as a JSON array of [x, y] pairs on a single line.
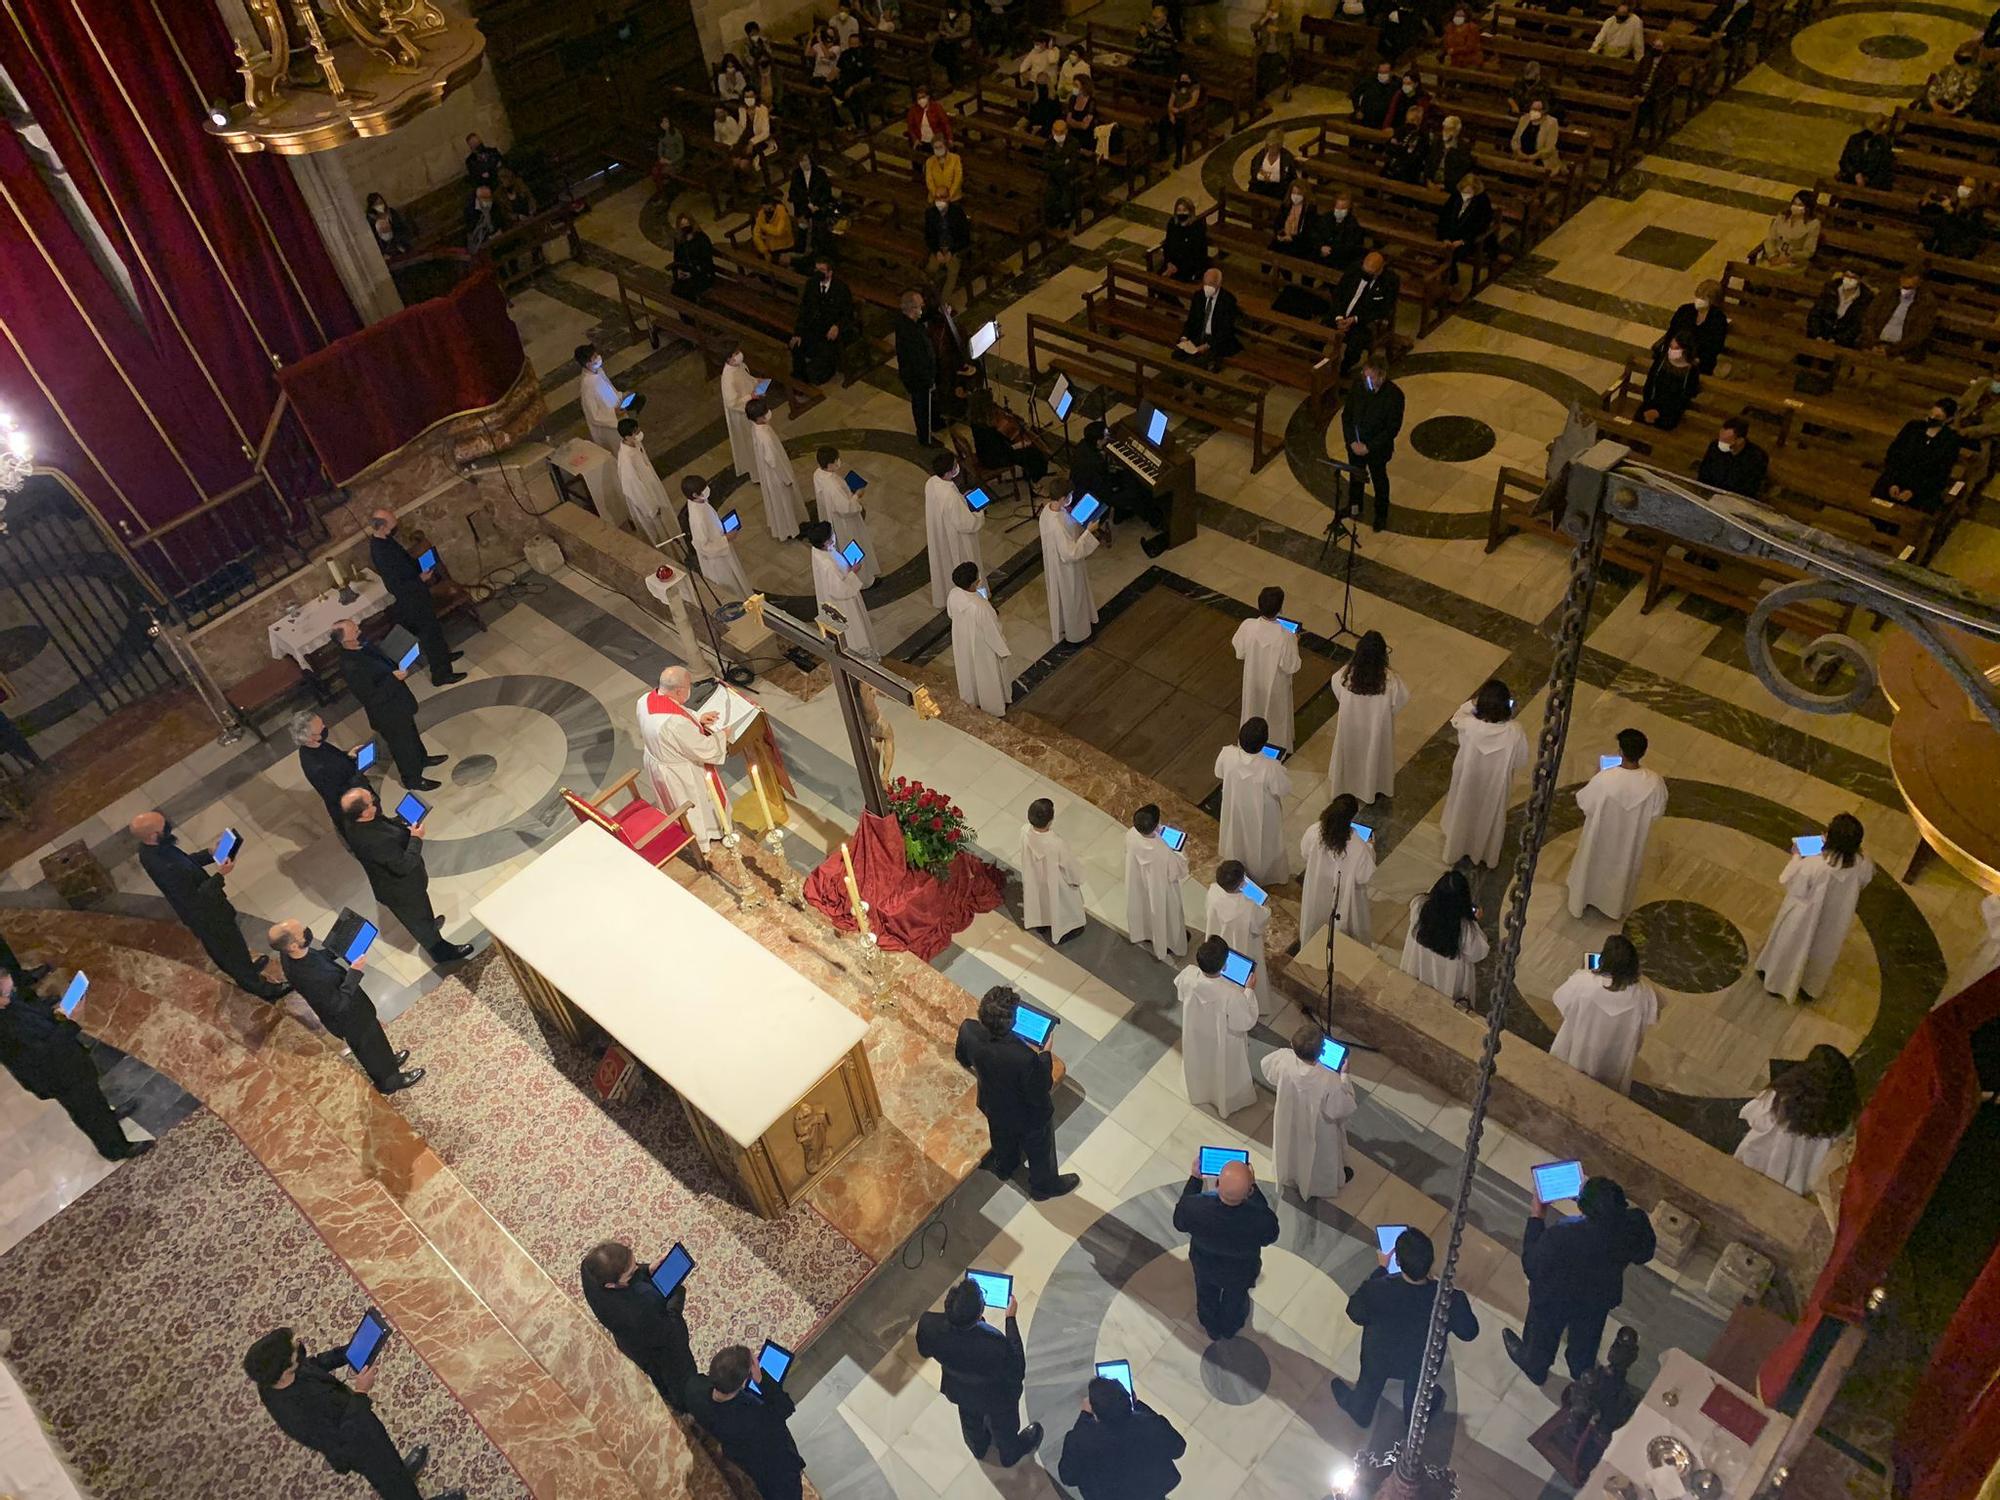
[[714, 552], [841, 504], [1239, 919], [1254, 789], [979, 649], [1621, 803], [1217, 1016], [1606, 1013], [1339, 862], [773, 472], [1445, 944], [1051, 876], [1821, 893], [1309, 1130], [1369, 696], [837, 582], [1155, 915], [1795, 1122], [1269, 651], [739, 387], [1491, 752]]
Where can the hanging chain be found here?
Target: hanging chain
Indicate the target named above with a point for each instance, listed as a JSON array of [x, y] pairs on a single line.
[[1572, 624]]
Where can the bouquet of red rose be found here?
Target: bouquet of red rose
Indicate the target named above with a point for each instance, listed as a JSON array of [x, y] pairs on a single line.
[[933, 825]]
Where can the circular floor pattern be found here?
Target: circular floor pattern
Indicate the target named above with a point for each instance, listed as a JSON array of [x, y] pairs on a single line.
[[1452, 440], [474, 770], [1687, 946], [1894, 46], [1235, 1371]]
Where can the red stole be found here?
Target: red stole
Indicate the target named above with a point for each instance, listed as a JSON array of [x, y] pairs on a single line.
[[659, 703]]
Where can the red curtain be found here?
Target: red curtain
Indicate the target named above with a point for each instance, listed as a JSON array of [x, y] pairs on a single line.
[[374, 390], [148, 409]]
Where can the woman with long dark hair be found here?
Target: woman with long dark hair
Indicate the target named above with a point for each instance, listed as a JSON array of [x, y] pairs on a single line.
[[1339, 863], [1491, 752], [1369, 697], [1794, 1122], [1821, 892], [1445, 945], [1606, 1013]]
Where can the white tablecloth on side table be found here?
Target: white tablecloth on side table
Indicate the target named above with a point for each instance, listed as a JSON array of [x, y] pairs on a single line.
[[298, 635], [1733, 1460]]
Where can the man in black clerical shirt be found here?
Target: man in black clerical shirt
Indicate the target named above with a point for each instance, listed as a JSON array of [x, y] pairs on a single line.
[[198, 899], [1394, 1311], [332, 988], [1120, 1448], [44, 1051], [1230, 1228], [391, 854], [410, 591], [1016, 1081], [650, 1329], [825, 321], [335, 1418], [1733, 462], [984, 1369], [377, 684], [329, 770], [749, 1424]]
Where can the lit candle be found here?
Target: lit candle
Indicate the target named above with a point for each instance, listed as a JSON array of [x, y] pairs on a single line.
[[854, 892], [763, 802], [721, 807]]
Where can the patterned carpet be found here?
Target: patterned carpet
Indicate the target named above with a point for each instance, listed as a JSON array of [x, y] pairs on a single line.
[[506, 1105], [131, 1310]]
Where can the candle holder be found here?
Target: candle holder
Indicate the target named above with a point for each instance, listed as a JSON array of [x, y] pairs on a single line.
[[790, 882], [875, 968], [751, 897]]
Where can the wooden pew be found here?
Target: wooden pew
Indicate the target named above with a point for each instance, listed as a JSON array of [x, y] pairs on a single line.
[[1228, 79], [1527, 202], [1771, 306], [1393, 216], [1334, 51], [1700, 57], [1004, 103], [1937, 134], [653, 308], [1478, 97]]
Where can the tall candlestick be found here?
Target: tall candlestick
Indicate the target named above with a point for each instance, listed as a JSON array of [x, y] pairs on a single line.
[[763, 802], [721, 807], [854, 893]]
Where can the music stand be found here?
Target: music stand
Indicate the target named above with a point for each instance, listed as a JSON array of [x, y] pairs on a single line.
[[1345, 526]]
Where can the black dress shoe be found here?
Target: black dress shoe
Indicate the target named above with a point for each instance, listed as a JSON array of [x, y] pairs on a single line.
[[405, 1080], [273, 996], [1153, 546], [455, 655], [402, 1057], [1064, 1184], [448, 679], [1343, 1393], [32, 977], [1031, 1439], [422, 784], [1511, 1342], [134, 1148], [452, 953], [436, 760], [415, 1459]]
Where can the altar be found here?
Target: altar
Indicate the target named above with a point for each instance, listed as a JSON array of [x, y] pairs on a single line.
[[769, 1068]]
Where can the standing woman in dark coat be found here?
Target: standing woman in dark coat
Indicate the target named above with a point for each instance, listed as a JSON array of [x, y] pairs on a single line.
[[1671, 386]]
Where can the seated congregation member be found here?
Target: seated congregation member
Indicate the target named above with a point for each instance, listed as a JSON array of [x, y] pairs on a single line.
[[1702, 326], [1954, 222], [1445, 945], [1120, 1448], [984, 1372], [1341, 242], [1454, 155], [1157, 51], [1393, 1309], [1671, 385], [1363, 307], [1411, 148], [1792, 239], [1977, 424], [1839, 314], [1620, 805], [1016, 1082], [1917, 468], [1209, 333], [853, 86], [649, 1328], [1606, 1013], [949, 42], [1463, 45], [809, 195], [1821, 893], [1576, 1276], [1869, 157], [944, 172], [1373, 99], [1465, 222], [771, 231], [1001, 440], [1060, 165], [1491, 752], [1623, 34], [1294, 229], [1901, 326], [1794, 1122], [694, 259], [752, 1426], [1273, 169], [1184, 250], [1538, 136], [1733, 462], [947, 236], [1309, 1128], [925, 122]]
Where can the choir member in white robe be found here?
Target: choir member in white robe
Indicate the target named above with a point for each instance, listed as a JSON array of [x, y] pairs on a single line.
[[1445, 945], [1051, 876], [1795, 1123], [1339, 863], [680, 750], [1065, 545], [1369, 697], [951, 527], [1309, 1130], [599, 398], [842, 506], [1605, 1015], [1239, 921], [978, 646], [739, 388], [1155, 915], [1985, 958], [836, 583], [1620, 805], [782, 511], [1254, 789], [714, 553], [1217, 1017], [1821, 893], [1491, 752], [645, 497], [1270, 655]]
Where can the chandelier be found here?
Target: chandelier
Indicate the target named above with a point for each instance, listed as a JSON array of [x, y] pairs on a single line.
[[17, 454]]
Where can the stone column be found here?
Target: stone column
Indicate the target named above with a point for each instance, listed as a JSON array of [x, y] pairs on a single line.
[[336, 207]]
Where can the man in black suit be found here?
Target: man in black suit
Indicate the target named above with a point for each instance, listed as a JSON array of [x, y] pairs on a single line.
[[1209, 333], [335, 1418], [825, 321], [378, 686], [410, 590], [749, 1424], [983, 1373], [1230, 1228], [1363, 307], [1016, 1094], [1341, 242], [333, 990], [1576, 1276], [45, 1053], [1465, 221], [810, 193], [947, 235], [1120, 1448], [650, 1329], [391, 855], [198, 899], [1394, 1311], [1733, 462], [329, 770], [916, 363], [482, 163], [1370, 420]]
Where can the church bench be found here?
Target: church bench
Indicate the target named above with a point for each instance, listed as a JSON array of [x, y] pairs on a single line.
[[1335, 50], [1517, 506], [1228, 79], [1970, 287], [1221, 399], [1401, 219], [1291, 352], [1003, 105], [774, 289], [1946, 135], [1609, 102], [655, 310], [273, 685], [1526, 199], [1700, 58], [1002, 196], [1605, 124]]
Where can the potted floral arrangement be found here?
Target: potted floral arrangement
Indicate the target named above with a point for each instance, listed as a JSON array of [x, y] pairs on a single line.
[[933, 825]]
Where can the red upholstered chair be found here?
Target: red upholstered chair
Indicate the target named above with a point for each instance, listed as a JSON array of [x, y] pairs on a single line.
[[654, 836]]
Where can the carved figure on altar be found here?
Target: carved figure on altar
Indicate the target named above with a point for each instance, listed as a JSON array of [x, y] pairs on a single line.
[[810, 1125]]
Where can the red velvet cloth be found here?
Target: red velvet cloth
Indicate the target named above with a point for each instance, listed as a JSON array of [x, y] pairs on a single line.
[[373, 391], [148, 404], [1904, 1140], [910, 911]]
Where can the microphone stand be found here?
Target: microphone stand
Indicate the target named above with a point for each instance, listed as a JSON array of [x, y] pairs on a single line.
[[1345, 526], [736, 675]]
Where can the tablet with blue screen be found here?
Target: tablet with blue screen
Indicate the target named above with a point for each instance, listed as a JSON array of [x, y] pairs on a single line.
[[428, 561], [1593, 961], [1119, 1370], [855, 483], [1558, 1181], [366, 1345], [1237, 967], [1032, 1026], [1085, 509], [1367, 833], [1215, 1158], [365, 756], [731, 523], [1610, 762], [673, 1270], [773, 1359], [977, 499], [72, 997], [1254, 891], [1173, 838], [1809, 844], [227, 845], [363, 939], [1272, 752], [1333, 1055], [1386, 1236], [996, 1288], [412, 809], [1156, 427], [409, 658], [764, 385], [852, 554], [1291, 626]]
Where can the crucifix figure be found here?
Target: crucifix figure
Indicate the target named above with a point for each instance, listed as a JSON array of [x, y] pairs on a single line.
[[824, 641]]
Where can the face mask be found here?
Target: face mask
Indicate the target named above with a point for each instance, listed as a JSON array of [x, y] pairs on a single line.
[[736, 360], [1964, 192], [1798, 210], [1993, 386], [703, 497], [1297, 199], [1907, 293], [1534, 114], [1465, 194], [1339, 215], [1701, 304], [1459, 19], [1676, 357], [1723, 445], [943, 204], [308, 935], [1849, 284], [1381, 77]]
